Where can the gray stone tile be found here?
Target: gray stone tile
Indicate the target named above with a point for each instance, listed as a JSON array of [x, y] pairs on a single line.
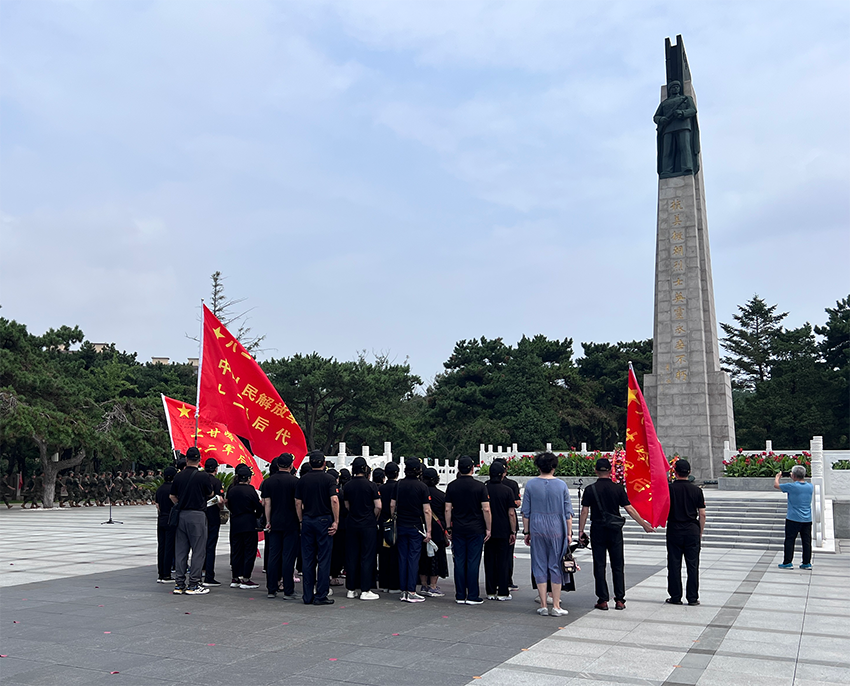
[[684, 675], [716, 677], [504, 677], [835, 675]]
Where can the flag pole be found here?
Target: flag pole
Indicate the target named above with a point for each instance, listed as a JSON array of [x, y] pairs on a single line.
[[200, 369]]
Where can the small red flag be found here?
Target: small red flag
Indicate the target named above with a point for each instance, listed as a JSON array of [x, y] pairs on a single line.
[[646, 467], [214, 439], [235, 391]]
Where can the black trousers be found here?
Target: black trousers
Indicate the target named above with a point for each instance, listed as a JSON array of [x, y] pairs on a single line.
[[282, 547], [497, 566], [213, 529], [793, 528], [164, 551], [683, 542], [243, 552], [605, 541], [360, 560], [316, 547]]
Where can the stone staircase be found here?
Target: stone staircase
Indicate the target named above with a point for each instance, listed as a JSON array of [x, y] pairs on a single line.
[[755, 524]]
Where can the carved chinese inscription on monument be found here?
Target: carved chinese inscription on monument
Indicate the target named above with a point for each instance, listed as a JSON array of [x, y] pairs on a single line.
[[678, 297]]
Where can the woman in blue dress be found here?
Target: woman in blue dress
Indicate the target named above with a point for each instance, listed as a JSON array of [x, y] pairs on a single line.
[[547, 513]]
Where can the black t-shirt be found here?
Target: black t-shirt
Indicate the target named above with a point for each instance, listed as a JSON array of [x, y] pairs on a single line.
[[191, 491], [466, 493], [315, 490], [410, 496], [214, 510], [162, 498], [387, 492], [501, 503], [360, 495], [611, 496], [514, 486], [244, 506], [438, 504], [685, 499], [280, 489]]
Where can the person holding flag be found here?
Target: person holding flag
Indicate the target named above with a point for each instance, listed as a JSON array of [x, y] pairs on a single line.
[[602, 501]]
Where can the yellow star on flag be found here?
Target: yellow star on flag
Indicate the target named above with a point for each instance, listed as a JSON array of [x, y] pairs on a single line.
[[184, 411], [632, 396], [218, 333]]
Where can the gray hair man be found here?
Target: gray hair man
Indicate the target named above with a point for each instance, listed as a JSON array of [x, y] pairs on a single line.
[[798, 519]]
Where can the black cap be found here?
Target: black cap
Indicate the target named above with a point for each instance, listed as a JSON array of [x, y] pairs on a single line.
[[193, 454], [358, 465], [497, 468], [243, 470], [465, 465], [211, 463], [603, 464], [683, 467], [285, 460]]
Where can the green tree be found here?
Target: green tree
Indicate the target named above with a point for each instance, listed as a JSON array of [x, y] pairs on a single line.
[[604, 369], [339, 401], [751, 344]]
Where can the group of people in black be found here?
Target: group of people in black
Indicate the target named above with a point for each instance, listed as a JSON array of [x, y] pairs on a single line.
[[75, 489], [388, 531]]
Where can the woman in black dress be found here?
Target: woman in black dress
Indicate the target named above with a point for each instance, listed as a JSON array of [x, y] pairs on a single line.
[[245, 507]]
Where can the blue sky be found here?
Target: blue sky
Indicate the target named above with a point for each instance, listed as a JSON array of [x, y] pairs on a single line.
[[397, 176]]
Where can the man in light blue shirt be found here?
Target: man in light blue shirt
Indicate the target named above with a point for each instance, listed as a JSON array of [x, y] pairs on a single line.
[[799, 517]]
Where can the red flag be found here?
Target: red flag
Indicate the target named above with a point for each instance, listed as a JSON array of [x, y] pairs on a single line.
[[234, 390], [214, 439], [646, 467]]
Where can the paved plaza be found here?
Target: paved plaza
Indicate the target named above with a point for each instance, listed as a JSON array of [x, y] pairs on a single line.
[[79, 605]]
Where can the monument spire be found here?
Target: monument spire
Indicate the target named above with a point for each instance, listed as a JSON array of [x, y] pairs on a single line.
[[688, 395]]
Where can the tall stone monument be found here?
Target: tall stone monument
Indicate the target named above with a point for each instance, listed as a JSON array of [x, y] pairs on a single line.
[[689, 396]]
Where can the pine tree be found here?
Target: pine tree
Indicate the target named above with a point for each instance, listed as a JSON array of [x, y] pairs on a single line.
[[752, 345]]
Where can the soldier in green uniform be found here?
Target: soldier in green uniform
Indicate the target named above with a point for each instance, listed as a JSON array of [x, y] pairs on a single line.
[[127, 489], [32, 493], [88, 490], [8, 490], [118, 488]]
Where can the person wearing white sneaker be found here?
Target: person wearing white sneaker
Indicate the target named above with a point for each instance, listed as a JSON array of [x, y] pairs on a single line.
[[363, 504], [351, 595], [245, 506], [412, 507], [547, 520], [369, 595]]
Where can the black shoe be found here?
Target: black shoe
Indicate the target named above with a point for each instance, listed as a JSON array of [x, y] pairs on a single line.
[[273, 594], [670, 601], [290, 596], [693, 603], [211, 583], [323, 601], [307, 602]]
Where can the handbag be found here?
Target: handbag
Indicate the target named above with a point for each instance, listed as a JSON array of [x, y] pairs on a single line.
[[389, 531], [609, 520], [568, 564], [223, 516]]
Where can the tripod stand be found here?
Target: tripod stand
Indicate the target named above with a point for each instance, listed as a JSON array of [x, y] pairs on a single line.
[[110, 520]]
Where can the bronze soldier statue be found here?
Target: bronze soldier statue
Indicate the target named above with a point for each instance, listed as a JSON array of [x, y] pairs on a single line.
[[678, 134]]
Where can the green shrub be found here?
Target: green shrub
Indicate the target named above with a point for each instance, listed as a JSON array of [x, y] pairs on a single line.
[[764, 464], [841, 464]]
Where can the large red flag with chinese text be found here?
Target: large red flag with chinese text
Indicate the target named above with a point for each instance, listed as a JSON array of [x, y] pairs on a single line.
[[646, 467], [234, 390], [214, 439]]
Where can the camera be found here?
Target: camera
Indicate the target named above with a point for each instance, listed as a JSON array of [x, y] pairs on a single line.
[[786, 474]]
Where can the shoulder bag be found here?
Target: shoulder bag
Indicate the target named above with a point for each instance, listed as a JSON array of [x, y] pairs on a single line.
[[609, 520], [389, 529]]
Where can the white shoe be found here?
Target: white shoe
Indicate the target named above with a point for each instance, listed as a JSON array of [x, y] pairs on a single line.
[[460, 602], [351, 595], [368, 595], [504, 597], [412, 597], [543, 611], [491, 597], [557, 612]]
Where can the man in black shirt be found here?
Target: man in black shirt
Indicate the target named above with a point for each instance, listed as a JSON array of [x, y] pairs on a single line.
[[503, 529], [317, 508], [189, 492], [213, 513], [514, 486], [685, 525], [468, 528], [412, 507], [282, 536], [363, 503], [603, 501]]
